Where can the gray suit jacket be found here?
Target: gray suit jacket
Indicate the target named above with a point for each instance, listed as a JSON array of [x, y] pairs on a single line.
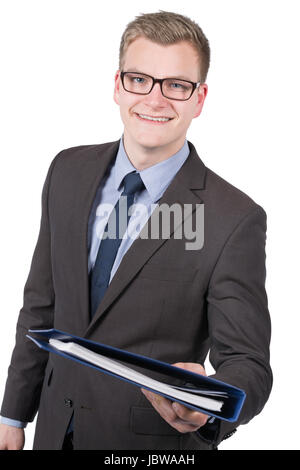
[[164, 301]]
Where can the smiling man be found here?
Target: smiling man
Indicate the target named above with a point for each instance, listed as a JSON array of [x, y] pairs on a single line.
[[155, 124], [151, 296]]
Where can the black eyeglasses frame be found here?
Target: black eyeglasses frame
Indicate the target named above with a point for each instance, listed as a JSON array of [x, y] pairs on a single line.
[[160, 81]]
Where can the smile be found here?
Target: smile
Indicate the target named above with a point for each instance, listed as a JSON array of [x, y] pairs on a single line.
[[160, 120]]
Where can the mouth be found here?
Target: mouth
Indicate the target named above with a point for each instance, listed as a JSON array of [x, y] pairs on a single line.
[[158, 120]]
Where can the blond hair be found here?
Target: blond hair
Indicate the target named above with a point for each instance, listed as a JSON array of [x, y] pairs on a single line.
[[165, 28]]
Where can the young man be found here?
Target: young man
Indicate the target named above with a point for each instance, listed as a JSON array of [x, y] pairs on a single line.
[[159, 297]]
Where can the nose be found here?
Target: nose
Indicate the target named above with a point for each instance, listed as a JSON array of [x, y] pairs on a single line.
[[155, 97]]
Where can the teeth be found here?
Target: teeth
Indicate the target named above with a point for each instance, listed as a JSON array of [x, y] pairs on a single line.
[[154, 119]]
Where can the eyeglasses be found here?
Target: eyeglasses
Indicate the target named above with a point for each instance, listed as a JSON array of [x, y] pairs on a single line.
[[172, 88]]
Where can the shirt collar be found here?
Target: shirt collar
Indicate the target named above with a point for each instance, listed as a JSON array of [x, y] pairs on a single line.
[[156, 178]]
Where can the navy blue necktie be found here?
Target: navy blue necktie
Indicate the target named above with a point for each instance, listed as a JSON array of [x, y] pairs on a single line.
[[114, 230]]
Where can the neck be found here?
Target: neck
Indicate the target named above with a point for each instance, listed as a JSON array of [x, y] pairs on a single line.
[[142, 157]]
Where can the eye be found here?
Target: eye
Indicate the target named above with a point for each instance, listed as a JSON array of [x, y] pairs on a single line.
[[177, 86], [137, 79]]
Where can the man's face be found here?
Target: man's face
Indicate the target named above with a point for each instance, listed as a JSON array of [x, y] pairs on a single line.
[[175, 61]]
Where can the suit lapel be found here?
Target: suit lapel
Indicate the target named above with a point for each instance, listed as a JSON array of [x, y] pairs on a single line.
[[190, 176], [95, 170]]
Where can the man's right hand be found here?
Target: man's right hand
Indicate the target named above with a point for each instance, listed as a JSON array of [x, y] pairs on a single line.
[[11, 437]]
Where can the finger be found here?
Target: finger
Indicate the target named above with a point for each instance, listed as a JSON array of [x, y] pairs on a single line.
[[153, 397], [165, 408], [184, 427], [195, 418], [161, 404], [191, 366], [158, 401], [171, 411]]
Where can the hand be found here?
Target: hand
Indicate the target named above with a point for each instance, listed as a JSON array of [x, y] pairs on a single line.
[[11, 437], [177, 415]]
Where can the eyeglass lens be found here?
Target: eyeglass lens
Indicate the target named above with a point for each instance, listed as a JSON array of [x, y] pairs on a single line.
[[172, 88]]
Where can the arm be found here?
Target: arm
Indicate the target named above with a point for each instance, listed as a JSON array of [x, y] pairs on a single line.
[[26, 370], [239, 321], [239, 328]]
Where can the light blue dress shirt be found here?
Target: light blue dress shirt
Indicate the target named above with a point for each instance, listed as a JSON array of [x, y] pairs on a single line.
[[156, 179]]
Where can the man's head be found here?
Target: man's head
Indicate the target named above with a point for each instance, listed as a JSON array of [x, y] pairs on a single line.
[[161, 45]]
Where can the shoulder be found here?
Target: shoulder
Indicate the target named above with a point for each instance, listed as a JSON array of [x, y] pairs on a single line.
[[226, 206], [85, 151], [222, 200], [76, 160], [225, 195]]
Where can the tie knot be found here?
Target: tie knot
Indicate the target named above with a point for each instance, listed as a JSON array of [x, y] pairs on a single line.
[[132, 183]]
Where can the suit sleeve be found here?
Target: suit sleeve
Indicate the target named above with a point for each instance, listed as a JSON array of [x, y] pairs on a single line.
[[239, 321], [27, 366]]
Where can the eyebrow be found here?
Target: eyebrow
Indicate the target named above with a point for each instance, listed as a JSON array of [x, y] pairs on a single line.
[[180, 77]]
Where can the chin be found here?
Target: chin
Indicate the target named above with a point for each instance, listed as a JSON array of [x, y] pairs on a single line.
[[151, 141]]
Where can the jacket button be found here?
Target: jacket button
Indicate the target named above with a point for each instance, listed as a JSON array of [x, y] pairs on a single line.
[[68, 402]]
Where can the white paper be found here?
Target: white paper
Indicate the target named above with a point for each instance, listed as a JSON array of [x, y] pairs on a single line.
[[126, 372]]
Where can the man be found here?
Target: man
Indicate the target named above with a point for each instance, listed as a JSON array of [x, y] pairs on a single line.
[[159, 296]]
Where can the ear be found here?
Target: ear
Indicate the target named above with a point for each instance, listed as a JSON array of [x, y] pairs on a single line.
[[117, 87], [201, 95]]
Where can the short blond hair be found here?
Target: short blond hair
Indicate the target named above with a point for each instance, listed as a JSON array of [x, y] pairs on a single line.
[[165, 27]]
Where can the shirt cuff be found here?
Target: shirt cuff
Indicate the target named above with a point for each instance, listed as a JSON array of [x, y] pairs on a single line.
[[13, 422]]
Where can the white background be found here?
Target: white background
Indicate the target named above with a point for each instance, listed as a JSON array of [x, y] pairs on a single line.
[[58, 60]]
